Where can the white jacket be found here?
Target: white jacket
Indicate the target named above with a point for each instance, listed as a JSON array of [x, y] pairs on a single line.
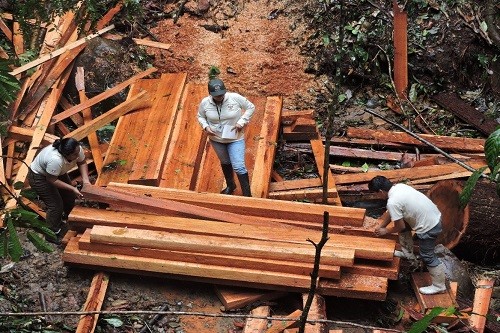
[[235, 109]]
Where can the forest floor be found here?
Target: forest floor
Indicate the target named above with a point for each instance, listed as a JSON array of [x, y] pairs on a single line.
[[260, 51]]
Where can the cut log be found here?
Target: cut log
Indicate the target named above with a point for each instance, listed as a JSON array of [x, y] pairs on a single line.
[[479, 242], [445, 194]]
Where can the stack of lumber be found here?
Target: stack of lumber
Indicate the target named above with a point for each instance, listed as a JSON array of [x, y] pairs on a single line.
[[164, 146], [416, 164], [254, 248]]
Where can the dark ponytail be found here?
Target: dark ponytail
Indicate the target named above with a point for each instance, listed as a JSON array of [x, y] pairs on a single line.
[[65, 146]]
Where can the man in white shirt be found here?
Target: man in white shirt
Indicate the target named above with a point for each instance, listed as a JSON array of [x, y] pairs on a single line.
[[410, 210]]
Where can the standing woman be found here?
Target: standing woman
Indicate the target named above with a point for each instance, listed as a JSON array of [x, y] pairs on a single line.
[[48, 176], [224, 116]]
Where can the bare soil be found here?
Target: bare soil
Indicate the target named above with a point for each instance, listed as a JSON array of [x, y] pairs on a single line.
[[259, 52]]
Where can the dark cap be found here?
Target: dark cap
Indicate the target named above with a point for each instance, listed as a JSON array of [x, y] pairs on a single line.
[[216, 87]]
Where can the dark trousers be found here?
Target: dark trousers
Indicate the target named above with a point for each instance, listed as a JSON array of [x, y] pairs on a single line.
[[59, 202]]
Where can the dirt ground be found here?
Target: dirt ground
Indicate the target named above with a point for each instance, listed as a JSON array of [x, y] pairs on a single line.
[[259, 53]]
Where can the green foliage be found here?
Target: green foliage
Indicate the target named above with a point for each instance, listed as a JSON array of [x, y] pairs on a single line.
[[213, 72], [9, 87], [492, 149], [421, 325], [469, 186], [10, 245], [492, 154]]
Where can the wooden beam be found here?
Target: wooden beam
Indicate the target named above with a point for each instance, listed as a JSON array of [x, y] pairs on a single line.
[[87, 118], [151, 43], [367, 246], [455, 144], [59, 51], [149, 161], [99, 98], [94, 302], [480, 307], [277, 326], [400, 50], [258, 207], [319, 156], [202, 257], [317, 311], [256, 325], [139, 101], [273, 250], [266, 147]]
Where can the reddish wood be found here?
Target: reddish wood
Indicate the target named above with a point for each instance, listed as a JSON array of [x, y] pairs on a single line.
[[400, 50], [445, 194]]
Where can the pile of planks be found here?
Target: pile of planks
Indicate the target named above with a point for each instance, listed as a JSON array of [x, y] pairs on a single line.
[[421, 170], [228, 240]]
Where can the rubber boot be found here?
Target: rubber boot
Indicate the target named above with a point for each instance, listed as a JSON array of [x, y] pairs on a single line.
[[438, 277], [227, 170], [245, 184], [406, 242]]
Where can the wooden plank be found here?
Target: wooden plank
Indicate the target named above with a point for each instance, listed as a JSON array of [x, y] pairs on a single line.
[[17, 133], [233, 298], [184, 150], [3, 179], [400, 50], [307, 194], [266, 148], [197, 256], [94, 302], [294, 184], [481, 304], [303, 124], [365, 247], [5, 29], [87, 118], [427, 302], [288, 117], [277, 326], [139, 101], [72, 254], [17, 38], [151, 43], [256, 325], [319, 156], [290, 136], [275, 209], [166, 207], [226, 246], [317, 311], [149, 161], [388, 269], [59, 51], [355, 286], [36, 94], [412, 174], [102, 96], [126, 139], [456, 144], [463, 110]]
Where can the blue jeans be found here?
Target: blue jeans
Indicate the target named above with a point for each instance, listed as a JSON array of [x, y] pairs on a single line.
[[231, 153], [426, 243]]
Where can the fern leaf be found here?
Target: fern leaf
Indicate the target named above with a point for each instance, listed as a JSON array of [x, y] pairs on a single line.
[[3, 244], [469, 186], [492, 149], [14, 244], [40, 243]]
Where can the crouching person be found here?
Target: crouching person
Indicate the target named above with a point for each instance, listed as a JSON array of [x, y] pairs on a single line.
[[410, 210]]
